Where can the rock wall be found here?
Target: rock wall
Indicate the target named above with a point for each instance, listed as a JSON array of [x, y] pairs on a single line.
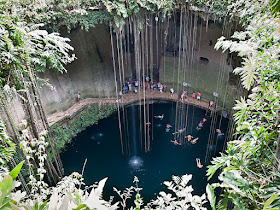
[[91, 74]]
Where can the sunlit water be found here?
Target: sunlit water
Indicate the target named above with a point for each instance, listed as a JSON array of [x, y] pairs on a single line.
[[101, 145]]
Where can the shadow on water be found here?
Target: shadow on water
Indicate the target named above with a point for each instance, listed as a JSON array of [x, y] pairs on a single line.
[[101, 144]]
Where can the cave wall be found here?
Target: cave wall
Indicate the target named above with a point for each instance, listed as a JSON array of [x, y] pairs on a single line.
[[91, 74]]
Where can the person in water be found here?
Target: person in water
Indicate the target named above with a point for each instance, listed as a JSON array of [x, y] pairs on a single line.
[[148, 123], [159, 116], [179, 131], [168, 126], [219, 132], [198, 163], [176, 142], [189, 137], [203, 120], [200, 125], [194, 140]]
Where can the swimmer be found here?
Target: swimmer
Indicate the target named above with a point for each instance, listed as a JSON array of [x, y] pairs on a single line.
[[189, 137], [148, 123], [179, 131], [175, 142], [159, 116], [198, 163], [219, 132], [203, 120], [168, 126], [194, 140], [200, 125]]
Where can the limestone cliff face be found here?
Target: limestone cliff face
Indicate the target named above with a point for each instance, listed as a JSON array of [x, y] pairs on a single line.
[[91, 74]]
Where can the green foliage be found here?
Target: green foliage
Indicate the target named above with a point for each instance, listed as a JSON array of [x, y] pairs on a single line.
[[25, 47], [249, 166], [7, 185], [7, 148], [211, 196], [268, 202], [14, 173], [275, 7], [89, 116]]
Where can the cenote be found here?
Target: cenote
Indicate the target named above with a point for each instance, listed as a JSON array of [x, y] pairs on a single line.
[[101, 144]]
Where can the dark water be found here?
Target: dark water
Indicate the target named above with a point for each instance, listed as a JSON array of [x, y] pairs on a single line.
[[101, 145]]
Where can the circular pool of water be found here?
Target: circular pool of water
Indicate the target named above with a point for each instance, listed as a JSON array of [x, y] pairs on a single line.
[[120, 160]]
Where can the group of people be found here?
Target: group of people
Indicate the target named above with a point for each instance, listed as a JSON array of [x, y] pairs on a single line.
[[192, 139], [184, 97], [134, 85], [130, 86]]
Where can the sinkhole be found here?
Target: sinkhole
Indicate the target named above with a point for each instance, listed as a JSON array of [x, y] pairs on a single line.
[[119, 154]]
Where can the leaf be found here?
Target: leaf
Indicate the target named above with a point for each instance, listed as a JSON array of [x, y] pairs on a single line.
[[53, 200], [81, 206], [14, 173], [6, 186], [211, 196], [65, 203], [247, 72], [93, 200], [17, 196], [14, 207], [269, 201], [43, 206]]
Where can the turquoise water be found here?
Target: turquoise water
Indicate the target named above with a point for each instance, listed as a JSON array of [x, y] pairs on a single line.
[[101, 145]]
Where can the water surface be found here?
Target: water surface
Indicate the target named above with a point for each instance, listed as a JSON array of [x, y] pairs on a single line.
[[101, 145]]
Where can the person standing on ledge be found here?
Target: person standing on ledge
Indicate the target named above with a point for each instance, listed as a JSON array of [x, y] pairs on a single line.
[[79, 97], [172, 91], [198, 96]]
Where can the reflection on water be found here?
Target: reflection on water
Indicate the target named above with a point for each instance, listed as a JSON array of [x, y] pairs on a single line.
[[135, 162]]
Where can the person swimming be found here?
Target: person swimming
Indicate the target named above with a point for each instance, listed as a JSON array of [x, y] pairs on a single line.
[[200, 125], [168, 126], [189, 137], [176, 142], [203, 120], [194, 141], [198, 163], [179, 131], [159, 116], [219, 132]]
